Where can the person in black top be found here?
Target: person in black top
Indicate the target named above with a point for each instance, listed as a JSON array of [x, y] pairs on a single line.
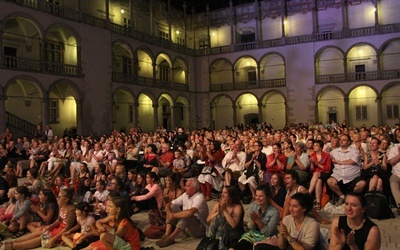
[[354, 230]]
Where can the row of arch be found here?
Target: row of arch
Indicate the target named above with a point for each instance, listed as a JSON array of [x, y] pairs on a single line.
[[331, 102]]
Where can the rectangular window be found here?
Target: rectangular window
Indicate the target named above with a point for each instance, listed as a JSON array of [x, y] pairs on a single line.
[[164, 71], [126, 65], [181, 41], [164, 35], [54, 57], [392, 111], [53, 111], [127, 22], [203, 44], [361, 113], [360, 72]]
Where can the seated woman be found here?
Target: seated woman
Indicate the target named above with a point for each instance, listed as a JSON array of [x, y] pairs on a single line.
[[263, 219], [276, 162], [66, 220], [34, 184], [83, 193], [297, 230], [226, 219], [320, 170], [7, 209], [22, 214], [300, 162], [374, 166], [354, 230], [150, 159], [45, 211], [278, 192], [117, 230], [213, 156], [152, 198]]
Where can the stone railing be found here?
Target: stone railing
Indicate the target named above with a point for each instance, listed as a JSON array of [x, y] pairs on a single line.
[[144, 81], [20, 124], [360, 76], [274, 83]]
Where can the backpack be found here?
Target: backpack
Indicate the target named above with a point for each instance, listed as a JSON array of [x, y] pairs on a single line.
[[377, 206]]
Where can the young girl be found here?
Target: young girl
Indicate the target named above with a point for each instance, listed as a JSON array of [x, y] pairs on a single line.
[[46, 211], [120, 172], [111, 163], [7, 209], [117, 230], [85, 224], [22, 214], [131, 184], [83, 193], [100, 197]]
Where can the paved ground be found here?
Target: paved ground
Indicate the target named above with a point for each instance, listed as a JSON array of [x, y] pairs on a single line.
[[389, 233]]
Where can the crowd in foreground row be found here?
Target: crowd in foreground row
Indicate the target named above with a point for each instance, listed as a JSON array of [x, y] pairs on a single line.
[[238, 159]]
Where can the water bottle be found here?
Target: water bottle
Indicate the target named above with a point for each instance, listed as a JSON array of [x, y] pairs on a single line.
[[220, 243], [46, 236]]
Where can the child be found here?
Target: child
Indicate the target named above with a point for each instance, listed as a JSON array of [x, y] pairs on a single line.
[[22, 214], [131, 184], [46, 211], [111, 163], [100, 198], [11, 177], [87, 233]]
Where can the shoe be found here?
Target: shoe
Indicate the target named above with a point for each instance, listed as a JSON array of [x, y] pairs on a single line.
[[161, 239], [166, 242], [339, 202]]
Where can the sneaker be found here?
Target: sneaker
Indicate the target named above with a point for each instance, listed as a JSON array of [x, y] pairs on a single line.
[[165, 242], [339, 202]]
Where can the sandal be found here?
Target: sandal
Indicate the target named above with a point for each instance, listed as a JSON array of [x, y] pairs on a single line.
[[317, 206], [18, 234]]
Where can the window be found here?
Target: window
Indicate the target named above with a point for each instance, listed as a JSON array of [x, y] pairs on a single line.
[[360, 72], [361, 113], [164, 35], [181, 41], [53, 111], [127, 22], [203, 44], [164, 71], [130, 114], [54, 57], [248, 38], [392, 111], [252, 77], [126, 65]]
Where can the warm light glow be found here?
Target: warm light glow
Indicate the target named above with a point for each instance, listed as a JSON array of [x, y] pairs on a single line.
[[374, 9], [122, 11], [248, 63], [177, 32], [284, 22], [213, 33]]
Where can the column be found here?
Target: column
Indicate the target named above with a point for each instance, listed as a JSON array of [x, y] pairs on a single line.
[[376, 8], [169, 21], [1, 46], [257, 18], [233, 26], [234, 107], [379, 107], [78, 3], [131, 17], [283, 17], [172, 116], [79, 116], [233, 77], [346, 108], [208, 29], [155, 113], [3, 112], [151, 18], [345, 24], [260, 113], [154, 72], [135, 113], [185, 23], [45, 111], [315, 17], [108, 21]]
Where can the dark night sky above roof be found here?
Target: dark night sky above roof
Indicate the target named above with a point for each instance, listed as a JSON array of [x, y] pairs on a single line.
[[200, 5]]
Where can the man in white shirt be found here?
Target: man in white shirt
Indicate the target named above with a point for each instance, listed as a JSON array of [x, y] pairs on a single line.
[[267, 148], [394, 160], [192, 218], [233, 162], [346, 174]]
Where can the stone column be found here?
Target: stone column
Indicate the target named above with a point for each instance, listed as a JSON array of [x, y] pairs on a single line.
[[346, 108], [79, 116], [135, 113], [169, 21], [45, 111], [315, 17], [155, 113], [379, 108], [377, 9], [345, 24], [151, 18], [232, 22], [172, 116], [78, 3], [234, 107], [3, 124], [260, 112], [108, 21]]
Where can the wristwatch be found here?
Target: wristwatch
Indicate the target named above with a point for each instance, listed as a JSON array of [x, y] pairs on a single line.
[[291, 240]]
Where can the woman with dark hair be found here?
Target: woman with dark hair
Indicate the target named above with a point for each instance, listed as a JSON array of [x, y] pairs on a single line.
[[152, 198], [374, 166], [354, 230], [83, 193], [300, 162], [211, 175], [263, 219], [22, 214], [278, 192], [150, 159], [46, 210], [276, 162], [226, 219], [117, 230], [34, 184]]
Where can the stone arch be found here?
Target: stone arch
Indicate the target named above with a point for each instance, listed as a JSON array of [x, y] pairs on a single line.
[[330, 104], [222, 111], [272, 66]]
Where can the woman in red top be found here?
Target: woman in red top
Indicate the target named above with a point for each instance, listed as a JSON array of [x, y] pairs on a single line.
[[276, 162], [320, 169]]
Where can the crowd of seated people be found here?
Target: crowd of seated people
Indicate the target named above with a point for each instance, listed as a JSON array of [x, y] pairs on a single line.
[[152, 172]]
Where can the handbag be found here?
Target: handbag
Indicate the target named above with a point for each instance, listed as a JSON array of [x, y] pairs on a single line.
[[208, 243]]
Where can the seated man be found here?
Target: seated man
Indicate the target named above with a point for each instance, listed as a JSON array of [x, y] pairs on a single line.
[[346, 174], [233, 162], [192, 219]]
